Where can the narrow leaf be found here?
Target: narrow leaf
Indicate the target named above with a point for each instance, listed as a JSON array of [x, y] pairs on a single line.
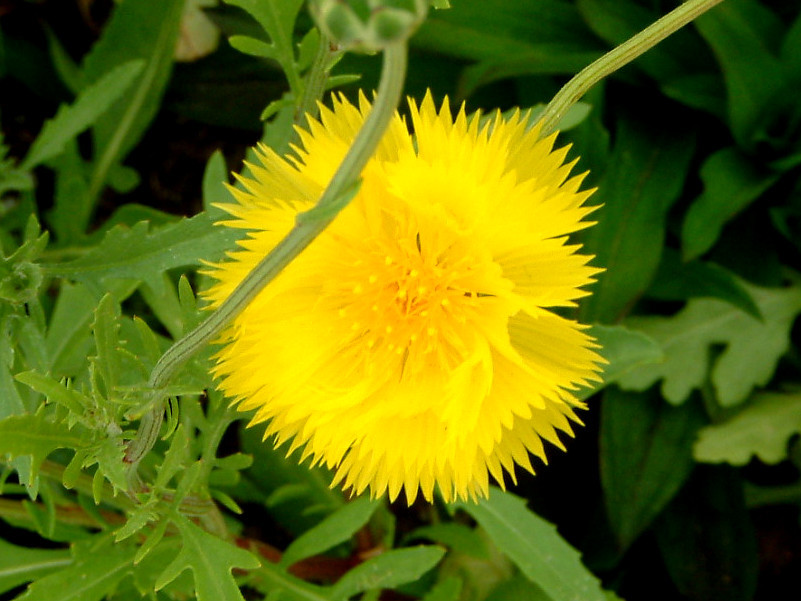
[[535, 547], [337, 528], [388, 570], [646, 456], [19, 565], [90, 104]]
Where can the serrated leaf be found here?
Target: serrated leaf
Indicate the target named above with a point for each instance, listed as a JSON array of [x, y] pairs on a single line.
[[388, 570], [731, 183], [535, 547], [90, 104], [55, 392], [106, 334], [644, 178], [762, 429], [211, 561], [645, 457], [752, 347], [98, 568], [34, 435], [139, 254], [337, 528], [19, 565]]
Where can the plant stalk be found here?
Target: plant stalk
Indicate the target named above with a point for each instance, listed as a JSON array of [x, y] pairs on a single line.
[[618, 57]]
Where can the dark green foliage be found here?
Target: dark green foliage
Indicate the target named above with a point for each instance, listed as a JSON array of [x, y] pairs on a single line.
[[695, 149]]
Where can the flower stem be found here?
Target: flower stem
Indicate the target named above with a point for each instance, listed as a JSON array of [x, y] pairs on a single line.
[[308, 226], [316, 81], [619, 57]]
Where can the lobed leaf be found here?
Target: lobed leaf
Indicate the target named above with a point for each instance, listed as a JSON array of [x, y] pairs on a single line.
[[762, 429], [98, 567], [211, 561], [752, 347]]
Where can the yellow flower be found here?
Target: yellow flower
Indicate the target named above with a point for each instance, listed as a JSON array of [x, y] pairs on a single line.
[[412, 344]]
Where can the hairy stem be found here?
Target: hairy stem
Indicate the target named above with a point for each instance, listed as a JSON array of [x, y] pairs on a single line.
[[307, 227], [619, 57]]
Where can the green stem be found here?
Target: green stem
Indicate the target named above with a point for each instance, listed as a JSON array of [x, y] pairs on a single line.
[[619, 57], [307, 227], [316, 81]]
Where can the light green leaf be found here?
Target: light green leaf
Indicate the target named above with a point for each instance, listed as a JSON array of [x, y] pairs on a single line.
[[388, 570], [731, 183], [55, 392], [625, 350], [98, 568], [140, 254], [752, 347], [762, 429], [337, 528], [106, 334], [211, 560], [34, 435], [19, 565], [646, 456], [90, 104], [535, 547]]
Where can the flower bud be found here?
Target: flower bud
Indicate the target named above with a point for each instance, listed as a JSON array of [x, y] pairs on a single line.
[[368, 25]]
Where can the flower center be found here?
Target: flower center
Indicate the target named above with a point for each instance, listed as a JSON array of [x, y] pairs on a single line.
[[410, 301]]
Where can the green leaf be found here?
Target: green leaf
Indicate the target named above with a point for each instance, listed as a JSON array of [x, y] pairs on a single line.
[[211, 560], [337, 528], [107, 340], [472, 32], [731, 183], [98, 568], [446, 590], [388, 570], [625, 350], [137, 30], [19, 565], [90, 104], [644, 178], [679, 281], [535, 547], [56, 392], [646, 456], [762, 429], [707, 540], [34, 435], [458, 537], [741, 33], [144, 255], [752, 347]]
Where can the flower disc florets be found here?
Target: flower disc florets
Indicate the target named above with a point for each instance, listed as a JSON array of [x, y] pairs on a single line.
[[412, 344]]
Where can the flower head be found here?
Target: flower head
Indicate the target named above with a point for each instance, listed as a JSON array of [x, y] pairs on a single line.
[[413, 344]]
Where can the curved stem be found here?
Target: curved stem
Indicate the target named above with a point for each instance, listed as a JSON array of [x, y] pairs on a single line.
[[617, 58], [307, 227]]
